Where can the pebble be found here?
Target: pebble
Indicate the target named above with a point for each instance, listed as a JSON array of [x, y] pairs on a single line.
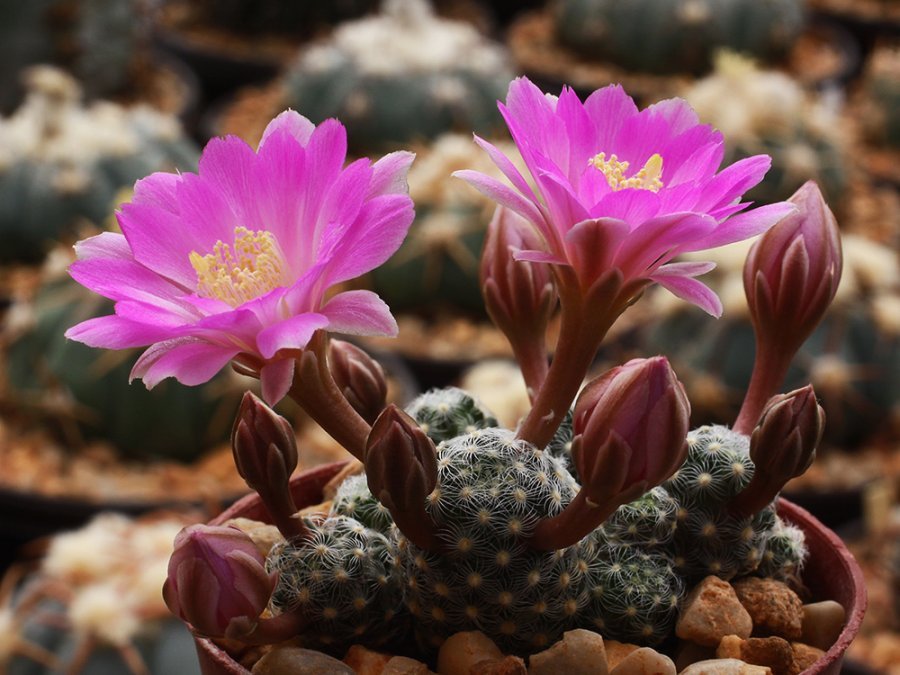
[[299, 661], [774, 652], [804, 657], [365, 661], [508, 665], [579, 652], [822, 623], [774, 608], [616, 651], [403, 665], [463, 650], [712, 611], [725, 667], [644, 661]]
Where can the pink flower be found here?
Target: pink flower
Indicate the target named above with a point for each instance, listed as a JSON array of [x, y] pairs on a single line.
[[623, 188], [236, 261]]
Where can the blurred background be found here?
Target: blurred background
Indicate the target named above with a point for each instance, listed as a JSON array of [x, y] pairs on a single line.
[[95, 94]]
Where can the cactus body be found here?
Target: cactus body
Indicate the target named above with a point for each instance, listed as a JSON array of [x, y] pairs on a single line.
[[446, 413], [648, 521], [354, 500], [881, 97], [666, 36], [343, 581], [785, 554]]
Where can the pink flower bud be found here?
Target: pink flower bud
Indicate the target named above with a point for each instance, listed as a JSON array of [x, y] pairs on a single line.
[[216, 575], [793, 270], [401, 468], [359, 377], [633, 420]]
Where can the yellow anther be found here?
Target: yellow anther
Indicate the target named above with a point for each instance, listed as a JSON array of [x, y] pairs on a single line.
[[247, 269], [614, 169]]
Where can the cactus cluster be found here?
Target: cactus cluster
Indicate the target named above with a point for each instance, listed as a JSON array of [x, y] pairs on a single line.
[[444, 414], [62, 163], [668, 36], [400, 76]]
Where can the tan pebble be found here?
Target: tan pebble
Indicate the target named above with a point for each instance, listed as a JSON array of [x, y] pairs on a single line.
[[463, 650], [616, 651], [729, 647], [773, 652], [508, 665], [263, 535], [365, 661], [724, 667], [298, 661], [773, 606], [403, 665], [690, 652], [579, 652], [712, 611], [804, 657], [822, 623], [644, 661]]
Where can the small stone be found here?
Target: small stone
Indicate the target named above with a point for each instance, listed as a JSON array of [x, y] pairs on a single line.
[[773, 606], [804, 657], [690, 652], [508, 665], [299, 661], [725, 667], [822, 623], [616, 651], [644, 661], [265, 536], [463, 650], [712, 611], [365, 661], [774, 652], [579, 652]]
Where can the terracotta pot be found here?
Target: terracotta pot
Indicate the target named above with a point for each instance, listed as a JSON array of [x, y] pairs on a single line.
[[830, 574]]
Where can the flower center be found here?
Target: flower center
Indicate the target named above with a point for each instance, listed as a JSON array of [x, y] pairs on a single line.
[[648, 178], [245, 270]]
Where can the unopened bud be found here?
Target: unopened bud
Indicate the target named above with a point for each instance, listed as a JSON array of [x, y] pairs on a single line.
[[360, 378], [401, 469], [265, 453], [782, 446], [216, 576]]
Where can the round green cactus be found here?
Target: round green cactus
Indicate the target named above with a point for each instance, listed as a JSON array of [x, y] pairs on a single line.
[[343, 581], [444, 414], [667, 36], [400, 76], [648, 521], [69, 385], [354, 500], [62, 163], [785, 554], [709, 539]]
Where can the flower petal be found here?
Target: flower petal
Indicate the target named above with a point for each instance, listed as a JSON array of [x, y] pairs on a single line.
[[292, 333], [743, 226], [289, 122], [188, 360], [114, 332], [695, 292], [502, 194], [359, 313], [276, 379], [592, 246], [389, 174]]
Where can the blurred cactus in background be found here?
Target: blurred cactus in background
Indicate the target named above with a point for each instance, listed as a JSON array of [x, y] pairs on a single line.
[[881, 96], [63, 162]]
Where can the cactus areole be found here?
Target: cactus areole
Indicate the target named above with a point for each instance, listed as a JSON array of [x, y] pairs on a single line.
[[596, 513]]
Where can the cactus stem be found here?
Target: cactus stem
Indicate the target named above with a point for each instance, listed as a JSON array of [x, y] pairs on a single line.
[[769, 370]]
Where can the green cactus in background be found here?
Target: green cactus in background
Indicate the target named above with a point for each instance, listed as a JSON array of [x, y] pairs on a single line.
[[298, 19], [767, 112], [444, 414], [79, 391], [98, 41], [400, 76], [354, 500], [634, 592], [668, 36], [62, 163], [343, 580], [709, 539], [881, 96]]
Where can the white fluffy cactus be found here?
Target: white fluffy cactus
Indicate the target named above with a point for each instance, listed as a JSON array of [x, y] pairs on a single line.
[[446, 413]]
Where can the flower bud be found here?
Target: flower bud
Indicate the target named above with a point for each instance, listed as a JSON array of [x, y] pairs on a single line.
[[265, 453], [359, 377], [401, 468], [782, 446], [793, 270], [633, 422], [216, 575]]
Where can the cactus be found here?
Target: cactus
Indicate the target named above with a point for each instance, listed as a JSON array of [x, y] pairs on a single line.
[[65, 384], [343, 581], [648, 521], [785, 554], [62, 163], [94, 606], [763, 111], [354, 500], [708, 538], [634, 592], [667, 36], [444, 414], [491, 490], [881, 97], [400, 76]]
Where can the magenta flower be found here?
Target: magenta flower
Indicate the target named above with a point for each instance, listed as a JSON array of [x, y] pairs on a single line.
[[236, 261], [623, 188]]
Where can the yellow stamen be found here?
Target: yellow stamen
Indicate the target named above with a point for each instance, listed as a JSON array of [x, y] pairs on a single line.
[[648, 178], [247, 269]]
